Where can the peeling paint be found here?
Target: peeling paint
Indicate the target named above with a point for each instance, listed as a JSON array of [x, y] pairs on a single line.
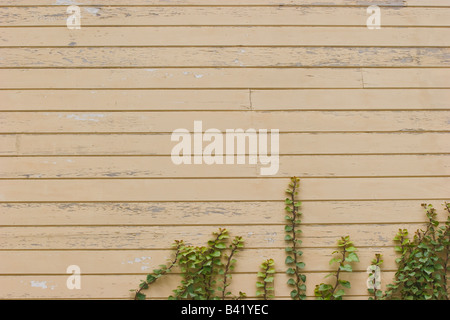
[[93, 11], [65, 2], [86, 117]]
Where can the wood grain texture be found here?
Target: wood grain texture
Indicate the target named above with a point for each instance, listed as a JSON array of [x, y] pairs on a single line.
[[212, 213], [225, 36], [221, 2], [161, 237], [162, 167], [86, 115], [225, 78], [144, 261], [111, 286], [224, 57], [229, 100], [160, 144], [300, 16], [214, 189], [165, 122], [393, 3]]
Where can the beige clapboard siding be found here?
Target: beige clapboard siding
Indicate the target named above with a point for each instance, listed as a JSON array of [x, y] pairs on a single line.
[[302, 16], [231, 100], [231, 78], [160, 144], [119, 286], [225, 36], [144, 261], [163, 167], [163, 100], [213, 213], [388, 99], [223, 57], [233, 2], [162, 237], [214, 189], [287, 121]]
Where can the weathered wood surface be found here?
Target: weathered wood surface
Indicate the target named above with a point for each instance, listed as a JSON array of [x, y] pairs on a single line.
[[86, 115]]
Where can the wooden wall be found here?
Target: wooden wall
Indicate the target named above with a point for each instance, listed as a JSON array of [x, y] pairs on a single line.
[[86, 116]]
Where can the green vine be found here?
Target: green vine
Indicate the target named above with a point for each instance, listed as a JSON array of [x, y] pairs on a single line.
[[346, 255], [199, 265], [424, 263], [264, 285], [296, 278], [158, 273], [238, 243]]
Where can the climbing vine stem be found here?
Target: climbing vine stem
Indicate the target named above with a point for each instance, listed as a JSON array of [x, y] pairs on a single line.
[[296, 278]]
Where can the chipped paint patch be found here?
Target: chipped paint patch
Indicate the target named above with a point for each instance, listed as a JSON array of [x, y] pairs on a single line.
[[86, 117], [65, 2], [93, 11]]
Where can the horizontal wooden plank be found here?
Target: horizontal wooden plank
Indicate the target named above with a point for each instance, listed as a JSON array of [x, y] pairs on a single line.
[[165, 122], [278, 15], [393, 3], [218, 2], [223, 57], [213, 189], [221, 213], [178, 100], [346, 99], [187, 78], [224, 36], [161, 237], [413, 78], [144, 261], [113, 287], [161, 144], [162, 167], [14, 100], [225, 78]]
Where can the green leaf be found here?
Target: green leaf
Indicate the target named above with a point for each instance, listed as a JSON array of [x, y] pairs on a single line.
[[140, 296], [324, 287], [294, 294], [289, 260], [288, 228], [300, 265], [345, 283], [352, 257], [346, 267], [220, 245], [291, 282], [339, 293], [290, 271]]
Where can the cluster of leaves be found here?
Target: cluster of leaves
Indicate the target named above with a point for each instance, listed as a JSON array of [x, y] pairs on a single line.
[[202, 266], [206, 270], [296, 278], [374, 280], [158, 273], [265, 284], [346, 255], [423, 265]]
